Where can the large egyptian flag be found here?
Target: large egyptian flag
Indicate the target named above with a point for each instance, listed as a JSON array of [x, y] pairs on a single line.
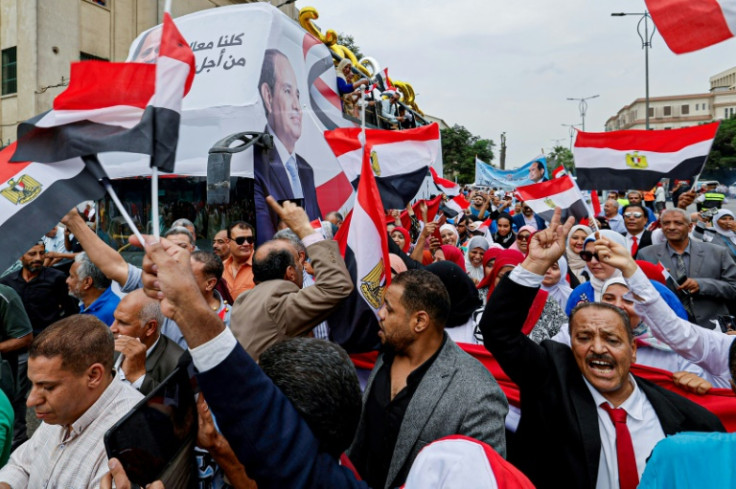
[[447, 187], [689, 25], [398, 159], [363, 243], [545, 197], [35, 196], [131, 107], [638, 158]]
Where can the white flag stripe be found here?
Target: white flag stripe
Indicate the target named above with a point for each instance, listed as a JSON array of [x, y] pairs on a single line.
[[729, 14], [587, 157], [171, 75], [393, 158], [365, 241], [118, 115], [45, 175], [564, 200]]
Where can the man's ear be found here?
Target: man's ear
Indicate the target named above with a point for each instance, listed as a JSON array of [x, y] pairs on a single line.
[[419, 321], [290, 274], [95, 375], [266, 95], [87, 283], [150, 328]]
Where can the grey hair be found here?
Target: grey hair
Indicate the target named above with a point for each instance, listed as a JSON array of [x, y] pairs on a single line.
[[615, 202], [291, 237], [151, 310], [182, 223], [89, 269], [682, 212], [180, 230]]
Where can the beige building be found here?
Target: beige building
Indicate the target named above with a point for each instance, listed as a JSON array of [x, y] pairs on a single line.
[[39, 39], [681, 110]]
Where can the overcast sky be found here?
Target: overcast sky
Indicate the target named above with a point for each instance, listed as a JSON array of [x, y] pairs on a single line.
[[496, 66]]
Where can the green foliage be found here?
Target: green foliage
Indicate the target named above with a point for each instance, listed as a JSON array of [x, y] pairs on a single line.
[[723, 153], [348, 41], [459, 149], [560, 155]]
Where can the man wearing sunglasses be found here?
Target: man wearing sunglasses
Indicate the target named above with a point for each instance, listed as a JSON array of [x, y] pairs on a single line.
[[635, 220], [238, 272]]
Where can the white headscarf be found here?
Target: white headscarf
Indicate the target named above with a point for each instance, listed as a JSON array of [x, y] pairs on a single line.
[[475, 273], [596, 283], [723, 232], [577, 265], [561, 290], [451, 228]]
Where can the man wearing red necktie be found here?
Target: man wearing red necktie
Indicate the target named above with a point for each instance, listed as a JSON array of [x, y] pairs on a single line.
[[635, 220]]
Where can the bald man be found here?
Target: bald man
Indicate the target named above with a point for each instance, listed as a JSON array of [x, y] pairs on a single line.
[[277, 307], [148, 356]]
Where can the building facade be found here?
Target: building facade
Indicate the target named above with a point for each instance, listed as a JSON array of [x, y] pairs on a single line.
[[675, 111], [39, 39]]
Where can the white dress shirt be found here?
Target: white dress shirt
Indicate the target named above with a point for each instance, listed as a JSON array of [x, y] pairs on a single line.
[[643, 424]]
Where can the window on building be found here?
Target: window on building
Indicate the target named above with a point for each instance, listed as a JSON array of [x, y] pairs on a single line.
[[667, 110], [9, 71], [685, 109], [651, 111], [697, 106], [90, 57]]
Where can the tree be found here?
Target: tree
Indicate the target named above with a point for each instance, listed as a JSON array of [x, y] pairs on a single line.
[[561, 155], [459, 149], [348, 41], [723, 152]]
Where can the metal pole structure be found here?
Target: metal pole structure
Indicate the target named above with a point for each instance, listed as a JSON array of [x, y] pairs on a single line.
[[646, 44], [583, 106], [572, 127]]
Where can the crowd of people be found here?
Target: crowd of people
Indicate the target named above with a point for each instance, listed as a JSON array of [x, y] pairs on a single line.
[[565, 309]]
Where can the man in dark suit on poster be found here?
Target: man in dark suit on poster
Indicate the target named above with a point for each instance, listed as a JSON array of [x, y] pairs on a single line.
[[280, 172]]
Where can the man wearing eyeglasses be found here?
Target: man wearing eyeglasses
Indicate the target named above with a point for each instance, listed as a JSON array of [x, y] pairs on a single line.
[[635, 220], [238, 272]]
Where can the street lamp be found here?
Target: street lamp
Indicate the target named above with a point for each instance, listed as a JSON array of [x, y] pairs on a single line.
[[573, 131], [646, 43], [583, 106]]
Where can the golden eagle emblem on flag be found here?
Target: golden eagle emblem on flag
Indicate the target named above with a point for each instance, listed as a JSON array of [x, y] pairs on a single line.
[[374, 164], [371, 287], [22, 190], [635, 160], [549, 203]]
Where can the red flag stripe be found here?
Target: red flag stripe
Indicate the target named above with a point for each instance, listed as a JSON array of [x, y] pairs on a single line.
[[328, 93], [344, 140], [439, 180], [544, 189], [658, 141], [99, 84], [688, 25], [174, 46], [9, 170]]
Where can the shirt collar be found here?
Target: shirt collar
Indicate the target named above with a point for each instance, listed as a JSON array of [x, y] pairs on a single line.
[[280, 148], [95, 410], [672, 252], [634, 404]]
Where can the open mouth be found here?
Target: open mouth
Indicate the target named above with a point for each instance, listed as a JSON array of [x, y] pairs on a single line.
[[601, 366]]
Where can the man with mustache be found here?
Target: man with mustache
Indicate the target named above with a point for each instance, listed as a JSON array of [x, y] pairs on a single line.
[[586, 420]]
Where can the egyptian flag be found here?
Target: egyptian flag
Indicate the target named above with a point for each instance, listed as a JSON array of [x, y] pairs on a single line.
[[130, 107], [458, 204], [561, 192], [35, 196], [689, 25], [433, 207], [398, 159], [447, 187], [640, 159], [363, 243]]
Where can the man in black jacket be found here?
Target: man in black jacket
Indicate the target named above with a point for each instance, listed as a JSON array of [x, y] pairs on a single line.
[[566, 438]]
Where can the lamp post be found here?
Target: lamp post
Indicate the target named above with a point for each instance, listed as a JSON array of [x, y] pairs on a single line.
[[646, 44], [572, 132], [583, 106]]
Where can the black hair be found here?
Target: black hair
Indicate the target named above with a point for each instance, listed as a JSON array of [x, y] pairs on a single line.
[[273, 266], [424, 291], [604, 305]]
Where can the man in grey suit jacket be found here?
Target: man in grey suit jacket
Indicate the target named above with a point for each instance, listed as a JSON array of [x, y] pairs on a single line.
[[423, 386], [148, 356], [706, 272], [278, 307]]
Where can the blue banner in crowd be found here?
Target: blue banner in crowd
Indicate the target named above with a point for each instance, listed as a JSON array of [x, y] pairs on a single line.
[[486, 175]]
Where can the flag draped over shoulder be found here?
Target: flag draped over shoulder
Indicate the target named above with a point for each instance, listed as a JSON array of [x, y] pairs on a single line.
[[689, 25], [561, 192], [447, 187], [131, 107], [362, 239], [35, 196], [398, 159], [638, 158]]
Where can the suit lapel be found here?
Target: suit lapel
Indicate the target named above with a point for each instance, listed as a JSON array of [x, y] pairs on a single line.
[[696, 259], [158, 350], [671, 419], [422, 404]]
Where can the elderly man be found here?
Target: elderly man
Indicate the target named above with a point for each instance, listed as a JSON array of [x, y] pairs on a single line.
[[615, 220], [87, 283], [78, 399], [706, 272], [278, 307], [238, 272], [635, 220], [412, 396], [586, 420], [221, 245], [148, 356]]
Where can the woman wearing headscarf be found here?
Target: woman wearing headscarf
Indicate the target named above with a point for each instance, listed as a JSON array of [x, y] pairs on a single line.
[[401, 238], [725, 225], [346, 87], [477, 247], [523, 236], [489, 259], [449, 235], [556, 284], [504, 234], [575, 240], [600, 272], [397, 264], [545, 318], [450, 253], [464, 301]]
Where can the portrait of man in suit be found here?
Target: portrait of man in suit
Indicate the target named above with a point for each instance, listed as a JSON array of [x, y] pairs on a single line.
[[280, 172]]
